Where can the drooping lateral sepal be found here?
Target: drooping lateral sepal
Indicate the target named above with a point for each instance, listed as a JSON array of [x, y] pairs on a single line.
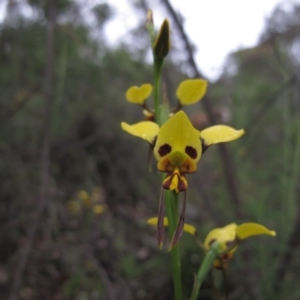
[[180, 226], [160, 220]]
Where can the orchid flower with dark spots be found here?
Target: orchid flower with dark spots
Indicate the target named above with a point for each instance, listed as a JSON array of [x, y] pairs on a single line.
[[178, 147]]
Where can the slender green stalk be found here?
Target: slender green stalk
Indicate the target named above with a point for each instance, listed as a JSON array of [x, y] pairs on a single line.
[[156, 93], [160, 50], [171, 198], [171, 201], [205, 267]]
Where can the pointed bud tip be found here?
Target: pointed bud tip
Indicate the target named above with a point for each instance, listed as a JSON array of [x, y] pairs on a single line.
[[149, 18]]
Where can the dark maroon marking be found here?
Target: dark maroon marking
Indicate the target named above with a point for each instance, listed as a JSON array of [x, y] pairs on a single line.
[[191, 152], [181, 185], [164, 150], [231, 244]]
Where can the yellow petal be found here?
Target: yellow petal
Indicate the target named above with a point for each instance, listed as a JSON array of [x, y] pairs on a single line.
[[191, 91], [187, 227], [225, 236], [220, 134], [246, 230], [145, 130], [138, 95]]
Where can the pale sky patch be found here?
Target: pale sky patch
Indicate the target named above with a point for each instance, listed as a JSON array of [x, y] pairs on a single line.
[[215, 27]]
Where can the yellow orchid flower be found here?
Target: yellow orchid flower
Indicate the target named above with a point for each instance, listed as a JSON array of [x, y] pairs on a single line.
[[178, 147], [229, 238]]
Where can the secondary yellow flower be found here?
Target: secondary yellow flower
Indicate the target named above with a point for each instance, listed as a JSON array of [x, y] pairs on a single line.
[[178, 147], [229, 237]]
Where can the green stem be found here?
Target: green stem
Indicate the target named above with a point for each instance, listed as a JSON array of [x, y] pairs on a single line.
[[205, 267], [156, 92], [171, 201], [171, 198]]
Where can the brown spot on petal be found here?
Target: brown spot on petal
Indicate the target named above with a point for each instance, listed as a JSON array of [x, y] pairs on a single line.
[[164, 150], [191, 152]]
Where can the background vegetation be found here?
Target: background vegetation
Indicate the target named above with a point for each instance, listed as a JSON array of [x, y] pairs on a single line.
[[62, 100]]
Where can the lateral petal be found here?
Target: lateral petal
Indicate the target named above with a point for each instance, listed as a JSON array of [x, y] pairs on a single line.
[[145, 130], [220, 134]]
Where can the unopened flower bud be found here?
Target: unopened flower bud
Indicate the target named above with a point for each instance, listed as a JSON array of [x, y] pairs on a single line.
[[161, 45]]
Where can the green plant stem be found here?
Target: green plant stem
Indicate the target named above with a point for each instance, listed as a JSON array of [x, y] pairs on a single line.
[[156, 92], [205, 267], [171, 198], [171, 201]]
